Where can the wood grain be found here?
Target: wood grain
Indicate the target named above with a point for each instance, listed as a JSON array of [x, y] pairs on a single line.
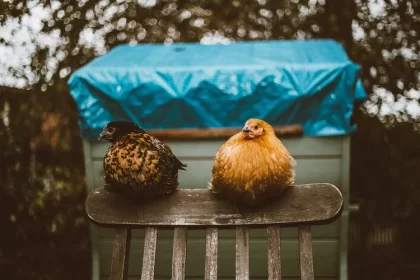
[[120, 254], [274, 258], [242, 253], [179, 254], [325, 231], [305, 249], [212, 243], [149, 255], [314, 203], [218, 133], [325, 256]]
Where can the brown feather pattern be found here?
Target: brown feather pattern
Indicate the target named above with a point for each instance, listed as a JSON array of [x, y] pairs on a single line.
[[140, 166]]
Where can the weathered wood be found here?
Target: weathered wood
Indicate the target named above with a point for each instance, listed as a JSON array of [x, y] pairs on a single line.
[[325, 257], [274, 258], [314, 203], [229, 278], [217, 133], [120, 254], [149, 255], [305, 249], [212, 238], [325, 231], [179, 254], [242, 253]]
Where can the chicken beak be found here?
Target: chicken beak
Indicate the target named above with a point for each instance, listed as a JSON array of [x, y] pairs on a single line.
[[102, 135], [246, 129]]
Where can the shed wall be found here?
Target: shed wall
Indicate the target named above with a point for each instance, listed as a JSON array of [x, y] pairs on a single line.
[[319, 160]]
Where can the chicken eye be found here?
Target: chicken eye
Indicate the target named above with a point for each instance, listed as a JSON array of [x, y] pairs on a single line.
[[255, 126], [111, 129]]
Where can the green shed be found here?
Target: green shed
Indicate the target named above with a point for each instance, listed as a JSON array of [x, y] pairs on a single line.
[[194, 97]]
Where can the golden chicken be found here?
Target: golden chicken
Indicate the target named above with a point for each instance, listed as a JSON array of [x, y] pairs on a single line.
[[252, 165], [138, 165]]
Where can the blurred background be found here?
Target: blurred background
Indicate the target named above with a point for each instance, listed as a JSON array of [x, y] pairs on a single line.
[[44, 232]]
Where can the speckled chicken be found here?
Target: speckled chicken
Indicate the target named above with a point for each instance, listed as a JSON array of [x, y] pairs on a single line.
[[252, 165], [138, 165]]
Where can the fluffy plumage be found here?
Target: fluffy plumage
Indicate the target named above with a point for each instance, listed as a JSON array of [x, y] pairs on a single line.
[[252, 165], [138, 165]]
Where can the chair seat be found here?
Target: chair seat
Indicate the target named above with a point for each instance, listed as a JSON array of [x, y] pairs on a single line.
[[299, 206]]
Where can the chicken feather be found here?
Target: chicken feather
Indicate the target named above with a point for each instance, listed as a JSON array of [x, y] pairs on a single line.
[[138, 165], [252, 165]]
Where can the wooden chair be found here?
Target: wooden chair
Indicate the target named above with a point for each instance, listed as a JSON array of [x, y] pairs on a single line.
[[301, 206]]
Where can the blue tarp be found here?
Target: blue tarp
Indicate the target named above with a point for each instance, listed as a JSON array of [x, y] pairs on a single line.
[[310, 82]]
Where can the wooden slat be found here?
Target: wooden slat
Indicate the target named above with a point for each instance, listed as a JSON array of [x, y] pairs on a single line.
[[325, 231], [305, 249], [224, 278], [242, 253], [315, 203], [179, 255], [325, 258], [149, 255], [218, 133], [212, 243], [274, 258], [120, 254]]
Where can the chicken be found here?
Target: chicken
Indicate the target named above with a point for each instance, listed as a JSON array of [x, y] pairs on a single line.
[[138, 165], [252, 165]]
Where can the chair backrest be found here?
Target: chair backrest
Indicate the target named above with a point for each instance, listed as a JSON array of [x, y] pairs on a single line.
[[300, 206]]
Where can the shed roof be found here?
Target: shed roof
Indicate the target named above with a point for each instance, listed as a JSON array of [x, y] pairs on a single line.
[[189, 85]]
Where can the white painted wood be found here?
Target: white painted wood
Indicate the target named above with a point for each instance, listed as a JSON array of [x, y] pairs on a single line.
[[318, 170], [302, 146], [344, 231], [98, 173], [199, 172], [95, 231], [344, 219], [345, 171]]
